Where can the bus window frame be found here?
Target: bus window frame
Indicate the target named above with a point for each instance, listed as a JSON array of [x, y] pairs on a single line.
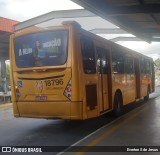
[[116, 54], [143, 66], [86, 39], [100, 67], [128, 56], [43, 66]]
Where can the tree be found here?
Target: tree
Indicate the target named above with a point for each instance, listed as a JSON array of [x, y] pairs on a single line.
[[157, 63], [157, 71], [8, 73]]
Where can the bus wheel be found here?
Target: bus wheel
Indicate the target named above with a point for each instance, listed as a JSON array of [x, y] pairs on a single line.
[[146, 98], [117, 104]]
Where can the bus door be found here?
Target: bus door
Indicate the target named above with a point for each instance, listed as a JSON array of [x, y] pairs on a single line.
[[153, 77], [103, 84], [138, 77]]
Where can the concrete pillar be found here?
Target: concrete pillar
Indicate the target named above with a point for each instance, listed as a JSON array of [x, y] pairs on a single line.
[[3, 76], [3, 67]]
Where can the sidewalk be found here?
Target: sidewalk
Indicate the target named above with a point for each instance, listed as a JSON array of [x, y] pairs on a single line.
[[4, 105], [5, 98], [140, 129]]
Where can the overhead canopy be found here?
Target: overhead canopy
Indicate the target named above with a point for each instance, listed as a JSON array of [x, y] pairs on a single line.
[[6, 28], [139, 17], [4, 44]]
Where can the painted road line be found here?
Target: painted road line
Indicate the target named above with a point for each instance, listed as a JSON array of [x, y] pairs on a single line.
[[5, 105], [98, 130], [107, 133]]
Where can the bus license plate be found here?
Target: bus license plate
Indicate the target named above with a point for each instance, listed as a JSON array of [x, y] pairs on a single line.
[[41, 98]]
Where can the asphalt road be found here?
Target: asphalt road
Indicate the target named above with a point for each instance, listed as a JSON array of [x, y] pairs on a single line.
[[42, 132]]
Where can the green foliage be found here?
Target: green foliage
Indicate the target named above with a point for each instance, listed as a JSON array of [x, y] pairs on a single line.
[[8, 73], [157, 62], [157, 71]]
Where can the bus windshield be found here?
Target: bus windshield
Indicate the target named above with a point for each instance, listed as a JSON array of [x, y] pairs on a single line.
[[47, 48]]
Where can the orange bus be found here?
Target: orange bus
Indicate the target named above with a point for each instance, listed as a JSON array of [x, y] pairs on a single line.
[[69, 73]]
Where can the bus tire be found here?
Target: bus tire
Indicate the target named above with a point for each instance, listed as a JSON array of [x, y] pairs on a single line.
[[117, 104], [146, 98]]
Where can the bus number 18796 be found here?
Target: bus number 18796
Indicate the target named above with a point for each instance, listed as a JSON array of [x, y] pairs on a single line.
[[55, 82]]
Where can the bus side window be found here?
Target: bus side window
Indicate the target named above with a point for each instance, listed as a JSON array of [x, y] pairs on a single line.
[[128, 67], [117, 64], [142, 65], [88, 55], [148, 67], [102, 60], [145, 66]]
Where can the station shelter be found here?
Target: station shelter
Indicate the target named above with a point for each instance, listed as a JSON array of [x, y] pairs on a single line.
[[6, 29]]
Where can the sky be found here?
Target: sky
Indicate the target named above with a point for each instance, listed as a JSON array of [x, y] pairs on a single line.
[[22, 10]]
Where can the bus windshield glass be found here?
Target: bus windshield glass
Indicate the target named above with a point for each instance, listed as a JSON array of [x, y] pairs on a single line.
[[47, 48]]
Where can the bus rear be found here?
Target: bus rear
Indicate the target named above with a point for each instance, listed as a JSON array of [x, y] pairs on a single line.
[[41, 74]]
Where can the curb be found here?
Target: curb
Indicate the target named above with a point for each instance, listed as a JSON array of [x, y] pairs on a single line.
[[5, 105]]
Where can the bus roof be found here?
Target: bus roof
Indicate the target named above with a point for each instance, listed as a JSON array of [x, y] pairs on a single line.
[[66, 24]]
